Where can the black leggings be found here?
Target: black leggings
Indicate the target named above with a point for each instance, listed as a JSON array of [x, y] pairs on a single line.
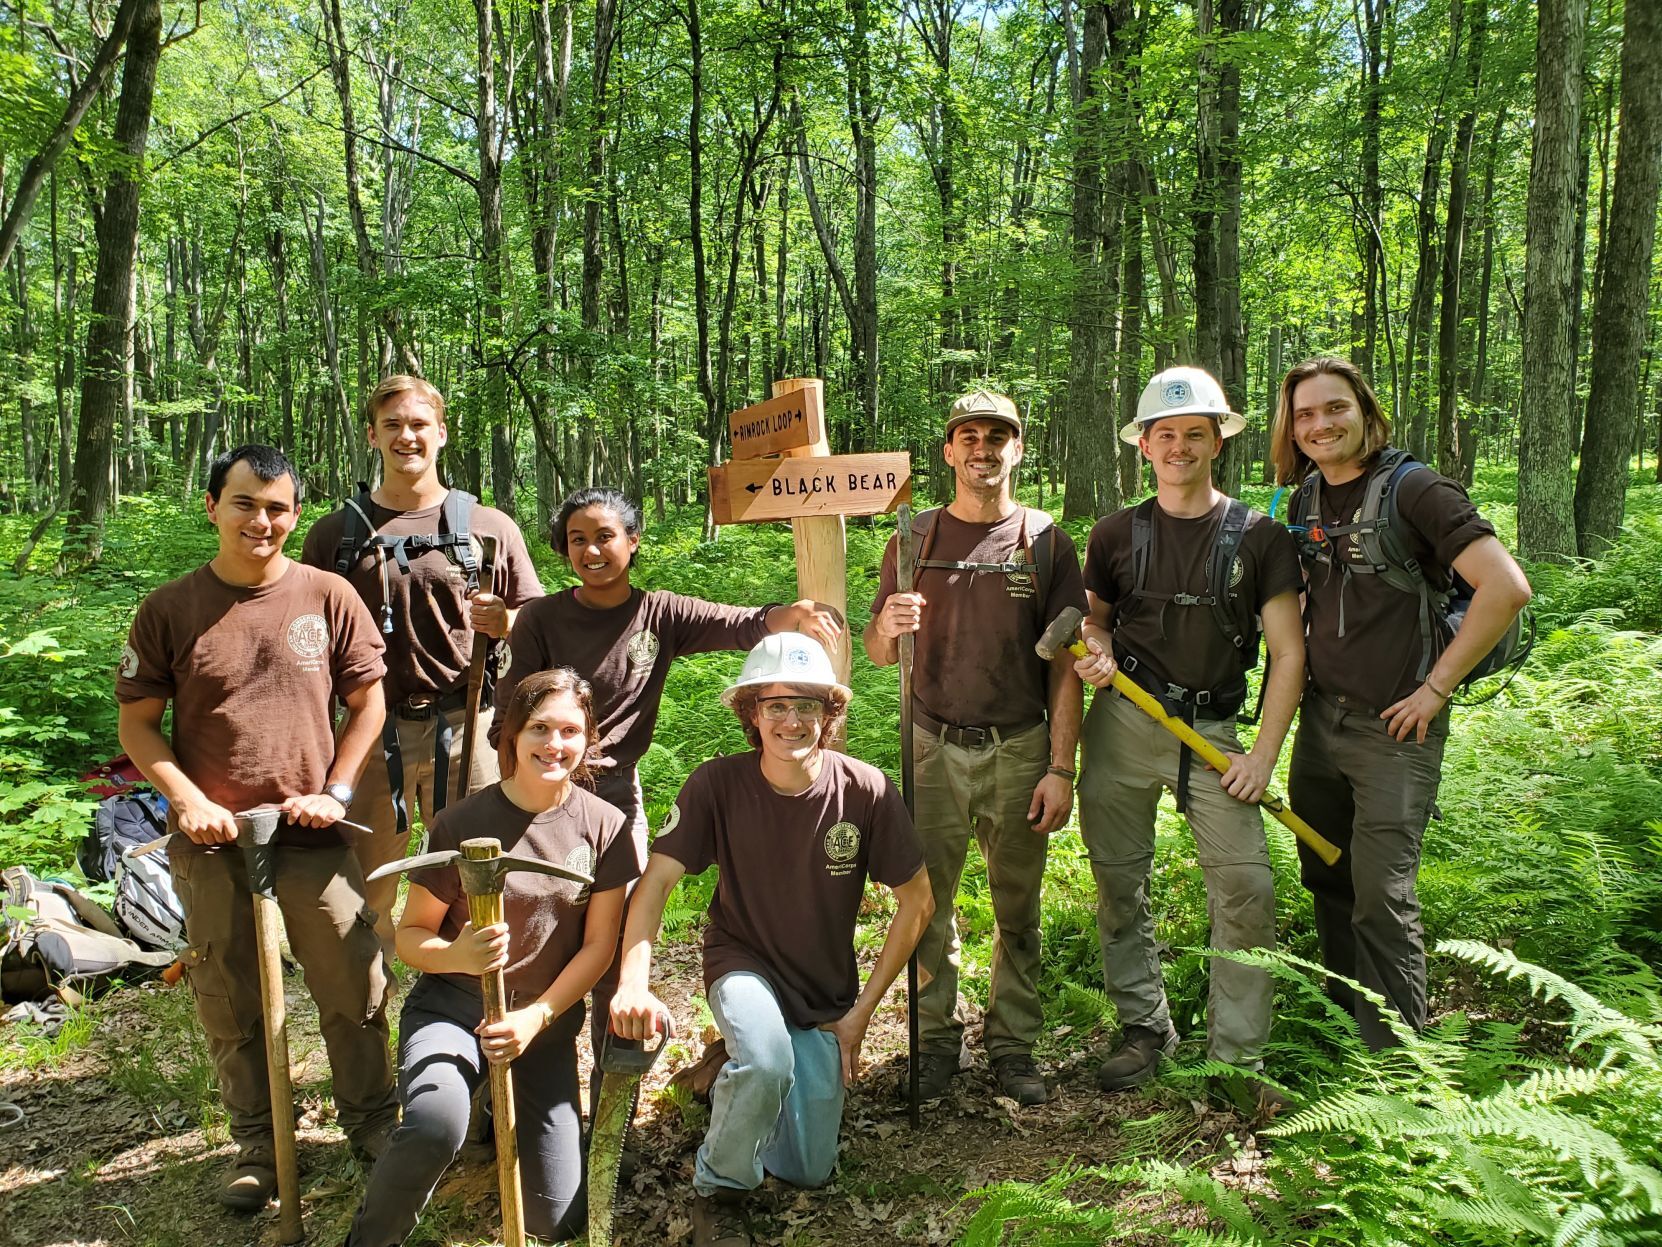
[[440, 1066]]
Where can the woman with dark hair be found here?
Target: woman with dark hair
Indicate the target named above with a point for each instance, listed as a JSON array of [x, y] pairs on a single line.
[[555, 941], [622, 639]]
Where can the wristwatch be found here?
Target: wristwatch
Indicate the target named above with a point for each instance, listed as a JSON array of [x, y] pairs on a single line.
[[340, 792]]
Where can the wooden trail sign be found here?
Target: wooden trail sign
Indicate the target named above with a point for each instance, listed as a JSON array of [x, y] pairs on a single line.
[[793, 420], [751, 491]]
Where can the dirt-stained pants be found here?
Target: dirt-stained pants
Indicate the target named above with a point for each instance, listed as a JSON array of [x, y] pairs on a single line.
[[1372, 796], [987, 791], [372, 803], [320, 893], [1127, 759]]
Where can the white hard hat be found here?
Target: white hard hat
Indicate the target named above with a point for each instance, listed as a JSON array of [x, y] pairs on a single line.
[[786, 658], [1182, 392]]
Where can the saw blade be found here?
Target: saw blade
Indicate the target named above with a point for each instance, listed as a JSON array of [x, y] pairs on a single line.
[[611, 1120]]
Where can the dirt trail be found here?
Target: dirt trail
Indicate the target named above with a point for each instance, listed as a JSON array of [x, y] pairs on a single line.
[[114, 1151]]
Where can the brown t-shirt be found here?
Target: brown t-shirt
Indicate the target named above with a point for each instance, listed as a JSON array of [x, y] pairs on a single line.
[[545, 914], [792, 872], [1376, 659], [625, 653], [250, 673], [1183, 644], [430, 642], [974, 663]]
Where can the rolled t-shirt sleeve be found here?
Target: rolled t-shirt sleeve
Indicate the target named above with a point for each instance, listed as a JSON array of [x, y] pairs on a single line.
[[689, 834], [516, 580], [359, 651], [444, 882], [146, 664], [528, 656], [1442, 513], [896, 851], [1098, 576], [1067, 585], [1279, 570], [618, 866]]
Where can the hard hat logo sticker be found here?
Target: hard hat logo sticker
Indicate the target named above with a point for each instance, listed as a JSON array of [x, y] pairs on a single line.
[[796, 658], [1176, 392]]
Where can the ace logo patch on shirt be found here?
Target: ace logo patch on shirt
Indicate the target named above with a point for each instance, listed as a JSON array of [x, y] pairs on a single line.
[[309, 638], [842, 846], [643, 648], [581, 860]]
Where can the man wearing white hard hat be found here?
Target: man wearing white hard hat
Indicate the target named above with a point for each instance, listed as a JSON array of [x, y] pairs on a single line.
[[996, 729], [796, 830], [1178, 585]]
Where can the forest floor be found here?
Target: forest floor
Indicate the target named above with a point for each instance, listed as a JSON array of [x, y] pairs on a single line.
[[122, 1140]]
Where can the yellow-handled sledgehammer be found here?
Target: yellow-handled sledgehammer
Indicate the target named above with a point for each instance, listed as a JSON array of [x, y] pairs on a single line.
[[1063, 633]]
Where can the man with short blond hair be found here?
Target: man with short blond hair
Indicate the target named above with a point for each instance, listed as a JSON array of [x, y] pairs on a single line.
[[408, 549]]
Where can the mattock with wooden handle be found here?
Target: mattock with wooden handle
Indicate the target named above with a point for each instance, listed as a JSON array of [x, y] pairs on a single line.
[[482, 864]]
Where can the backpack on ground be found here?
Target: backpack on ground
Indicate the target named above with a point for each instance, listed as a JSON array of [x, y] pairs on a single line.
[[1443, 594], [52, 937], [145, 904]]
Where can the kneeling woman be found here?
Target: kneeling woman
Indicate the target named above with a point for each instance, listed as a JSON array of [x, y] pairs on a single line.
[[556, 940]]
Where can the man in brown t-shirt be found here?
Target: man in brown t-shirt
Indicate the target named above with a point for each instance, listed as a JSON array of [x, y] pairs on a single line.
[[795, 830], [401, 547], [251, 649], [1178, 585], [996, 729], [1369, 751]]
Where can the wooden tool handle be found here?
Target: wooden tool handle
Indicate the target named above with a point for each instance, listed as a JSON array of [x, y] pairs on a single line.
[[267, 925], [485, 910]]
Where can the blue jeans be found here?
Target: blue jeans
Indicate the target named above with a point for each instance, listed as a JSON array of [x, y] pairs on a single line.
[[778, 1102]]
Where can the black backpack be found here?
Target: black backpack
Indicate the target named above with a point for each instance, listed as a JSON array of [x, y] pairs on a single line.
[[453, 538], [1443, 595], [145, 905], [1238, 627]]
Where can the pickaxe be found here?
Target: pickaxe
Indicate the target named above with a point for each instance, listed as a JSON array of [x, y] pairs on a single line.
[[1063, 634], [161, 842], [481, 863], [476, 673]]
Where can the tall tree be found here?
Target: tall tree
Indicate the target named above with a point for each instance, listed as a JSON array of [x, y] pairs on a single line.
[[104, 375], [1449, 427], [1619, 314], [1546, 486]]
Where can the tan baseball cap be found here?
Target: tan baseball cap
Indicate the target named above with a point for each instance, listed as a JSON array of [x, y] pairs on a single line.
[[983, 405]]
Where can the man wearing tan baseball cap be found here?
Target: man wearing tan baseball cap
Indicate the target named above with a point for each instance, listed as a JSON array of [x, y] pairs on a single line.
[[995, 733]]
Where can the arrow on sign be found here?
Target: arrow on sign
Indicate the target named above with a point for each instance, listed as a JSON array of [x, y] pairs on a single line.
[[753, 488]]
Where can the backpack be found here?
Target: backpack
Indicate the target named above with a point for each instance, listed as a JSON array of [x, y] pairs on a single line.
[[1039, 560], [145, 905], [53, 938], [1443, 594], [1240, 629], [453, 537]]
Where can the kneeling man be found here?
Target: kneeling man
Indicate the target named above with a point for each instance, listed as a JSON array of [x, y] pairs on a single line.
[[795, 829]]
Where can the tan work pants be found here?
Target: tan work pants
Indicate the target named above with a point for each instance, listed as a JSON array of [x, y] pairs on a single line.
[[987, 791], [320, 893]]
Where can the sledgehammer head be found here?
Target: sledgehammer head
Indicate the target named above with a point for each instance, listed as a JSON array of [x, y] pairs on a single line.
[[1063, 634]]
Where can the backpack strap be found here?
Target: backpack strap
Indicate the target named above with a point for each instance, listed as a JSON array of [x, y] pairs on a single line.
[[1219, 564], [358, 531], [453, 521]]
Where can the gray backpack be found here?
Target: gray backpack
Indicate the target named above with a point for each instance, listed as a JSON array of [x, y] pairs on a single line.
[[52, 937]]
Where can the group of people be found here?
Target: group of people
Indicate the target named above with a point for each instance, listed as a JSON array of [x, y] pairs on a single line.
[[342, 683]]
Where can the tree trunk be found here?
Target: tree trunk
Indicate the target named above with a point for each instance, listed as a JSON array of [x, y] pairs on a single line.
[[1083, 462], [108, 361], [1232, 22], [1619, 316], [1372, 16], [1545, 484], [494, 396], [1450, 429]]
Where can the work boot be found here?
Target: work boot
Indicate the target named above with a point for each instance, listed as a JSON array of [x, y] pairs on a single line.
[[1137, 1057], [251, 1181], [719, 1220], [935, 1074], [366, 1146], [1020, 1079]]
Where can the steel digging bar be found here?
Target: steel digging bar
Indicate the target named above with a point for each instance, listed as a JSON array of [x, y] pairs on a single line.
[[476, 673], [482, 865], [1063, 633], [256, 837], [903, 555]]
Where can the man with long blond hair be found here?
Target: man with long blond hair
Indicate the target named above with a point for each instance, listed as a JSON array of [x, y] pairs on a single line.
[[1381, 538], [407, 547]]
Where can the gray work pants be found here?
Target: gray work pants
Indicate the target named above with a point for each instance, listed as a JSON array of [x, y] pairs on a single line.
[[1372, 797], [1127, 759], [440, 1066]]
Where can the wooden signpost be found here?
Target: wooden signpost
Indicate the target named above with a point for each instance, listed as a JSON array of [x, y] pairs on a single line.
[[807, 485]]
